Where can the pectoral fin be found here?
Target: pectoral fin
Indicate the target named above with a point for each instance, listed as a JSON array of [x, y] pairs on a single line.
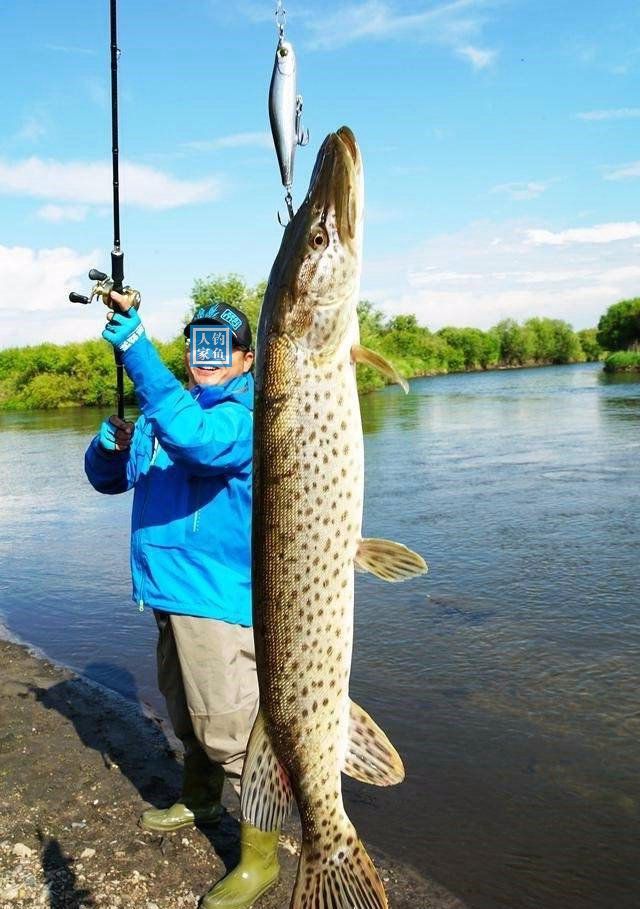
[[360, 354], [266, 790], [370, 758], [389, 561]]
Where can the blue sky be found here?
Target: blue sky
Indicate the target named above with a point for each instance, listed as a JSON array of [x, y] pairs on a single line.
[[500, 143]]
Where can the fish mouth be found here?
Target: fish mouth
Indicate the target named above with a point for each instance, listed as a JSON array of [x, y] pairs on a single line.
[[338, 148], [336, 182], [349, 140]]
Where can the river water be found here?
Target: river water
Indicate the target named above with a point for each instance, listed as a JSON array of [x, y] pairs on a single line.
[[507, 678]]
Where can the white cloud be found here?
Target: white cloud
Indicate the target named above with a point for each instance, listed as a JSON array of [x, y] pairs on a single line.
[[408, 170], [371, 19], [254, 12], [432, 275], [236, 140], [40, 280], [600, 233], [57, 213], [586, 53], [34, 305], [487, 272], [67, 49], [89, 183], [31, 130], [478, 57], [98, 92], [624, 171], [382, 214], [620, 113], [522, 191], [165, 319], [452, 24]]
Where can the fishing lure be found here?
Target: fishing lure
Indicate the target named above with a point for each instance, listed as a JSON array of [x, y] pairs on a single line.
[[285, 110]]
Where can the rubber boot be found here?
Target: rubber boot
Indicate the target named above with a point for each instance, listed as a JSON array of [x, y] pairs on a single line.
[[257, 871], [199, 801]]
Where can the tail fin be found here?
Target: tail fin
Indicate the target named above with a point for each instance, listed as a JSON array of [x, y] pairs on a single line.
[[338, 876]]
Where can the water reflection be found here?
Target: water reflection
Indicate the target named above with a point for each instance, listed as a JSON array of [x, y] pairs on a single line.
[[71, 419], [384, 406], [620, 378], [626, 409]]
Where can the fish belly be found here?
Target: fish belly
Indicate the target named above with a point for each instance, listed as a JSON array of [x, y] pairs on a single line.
[[308, 490], [310, 479]]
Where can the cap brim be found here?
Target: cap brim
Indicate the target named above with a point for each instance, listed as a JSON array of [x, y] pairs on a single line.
[[187, 329]]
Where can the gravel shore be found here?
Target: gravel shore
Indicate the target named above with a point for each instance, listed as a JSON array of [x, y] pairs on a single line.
[[77, 766]]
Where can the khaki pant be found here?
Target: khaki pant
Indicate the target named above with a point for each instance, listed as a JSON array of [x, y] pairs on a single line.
[[207, 674]]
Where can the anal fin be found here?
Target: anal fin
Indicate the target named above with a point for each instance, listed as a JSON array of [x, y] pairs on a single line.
[[266, 794], [370, 758], [372, 358], [388, 560]]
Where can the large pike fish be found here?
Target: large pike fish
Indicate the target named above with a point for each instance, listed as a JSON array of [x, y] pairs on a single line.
[[307, 515]]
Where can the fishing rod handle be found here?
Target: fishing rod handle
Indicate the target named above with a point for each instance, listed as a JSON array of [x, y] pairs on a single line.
[[117, 269], [119, 384]]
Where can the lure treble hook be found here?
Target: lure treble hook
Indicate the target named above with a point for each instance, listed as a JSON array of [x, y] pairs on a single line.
[[289, 202]]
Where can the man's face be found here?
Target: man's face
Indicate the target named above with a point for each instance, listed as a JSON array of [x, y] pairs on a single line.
[[241, 362]]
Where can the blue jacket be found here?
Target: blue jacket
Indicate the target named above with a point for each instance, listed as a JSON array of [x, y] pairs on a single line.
[[190, 462]]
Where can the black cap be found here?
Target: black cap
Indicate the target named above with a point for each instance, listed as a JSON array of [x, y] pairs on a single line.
[[221, 313]]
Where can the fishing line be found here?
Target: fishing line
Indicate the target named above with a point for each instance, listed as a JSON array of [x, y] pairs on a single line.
[[105, 284]]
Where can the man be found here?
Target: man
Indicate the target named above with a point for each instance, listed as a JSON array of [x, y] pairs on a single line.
[[189, 459]]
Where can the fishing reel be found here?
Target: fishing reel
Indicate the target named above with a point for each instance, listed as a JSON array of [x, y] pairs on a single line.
[[102, 289]]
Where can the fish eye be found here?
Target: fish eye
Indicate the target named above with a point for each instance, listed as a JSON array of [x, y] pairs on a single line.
[[318, 238], [283, 52]]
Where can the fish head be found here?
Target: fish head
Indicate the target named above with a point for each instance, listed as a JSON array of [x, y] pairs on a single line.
[[285, 58], [313, 288]]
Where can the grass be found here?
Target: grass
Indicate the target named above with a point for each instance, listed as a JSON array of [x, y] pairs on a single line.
[[623, 361]]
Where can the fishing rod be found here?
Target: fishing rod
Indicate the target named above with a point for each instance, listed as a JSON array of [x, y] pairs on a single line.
[[285, 109], [105, 283]]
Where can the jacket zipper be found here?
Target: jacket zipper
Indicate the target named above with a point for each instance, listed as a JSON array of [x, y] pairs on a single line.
[[196, 514], [144, 505]]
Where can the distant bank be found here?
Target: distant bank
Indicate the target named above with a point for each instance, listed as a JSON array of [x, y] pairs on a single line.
[[619, 333], [81, 374], [623, 361]]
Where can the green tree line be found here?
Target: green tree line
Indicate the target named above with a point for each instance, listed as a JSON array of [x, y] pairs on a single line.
[[82, 373], [619, 332]]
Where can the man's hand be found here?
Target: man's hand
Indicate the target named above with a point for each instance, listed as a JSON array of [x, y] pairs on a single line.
[[123, 329], [123, 303], [116, 434]]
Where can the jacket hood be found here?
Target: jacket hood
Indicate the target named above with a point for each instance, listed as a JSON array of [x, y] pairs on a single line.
[[239, 390]]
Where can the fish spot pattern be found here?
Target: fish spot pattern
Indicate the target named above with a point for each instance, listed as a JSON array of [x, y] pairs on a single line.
[[308, 479]]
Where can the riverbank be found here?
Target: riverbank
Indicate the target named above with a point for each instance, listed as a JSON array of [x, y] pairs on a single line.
[[78, 766], [623, 361], [369, 381], [49, 376]]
